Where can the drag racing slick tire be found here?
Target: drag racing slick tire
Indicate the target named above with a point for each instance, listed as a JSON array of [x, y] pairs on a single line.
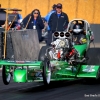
[[42, 53]]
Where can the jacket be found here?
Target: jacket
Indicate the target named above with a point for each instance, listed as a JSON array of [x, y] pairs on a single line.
[[48, 17], [58, 23], [39, 25], [19, 17]]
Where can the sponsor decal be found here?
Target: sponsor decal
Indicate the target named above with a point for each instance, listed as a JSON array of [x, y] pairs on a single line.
[[89, 68]]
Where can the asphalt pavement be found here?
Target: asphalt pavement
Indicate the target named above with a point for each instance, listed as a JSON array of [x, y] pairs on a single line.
[[64, 90]]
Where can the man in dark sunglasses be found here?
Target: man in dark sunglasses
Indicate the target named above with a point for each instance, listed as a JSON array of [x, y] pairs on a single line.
[[58, 22]]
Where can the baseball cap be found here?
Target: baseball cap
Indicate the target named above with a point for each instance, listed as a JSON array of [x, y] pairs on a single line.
[[59, 5]]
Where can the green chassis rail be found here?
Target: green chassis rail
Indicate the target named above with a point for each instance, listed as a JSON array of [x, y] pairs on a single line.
[[63, 71]]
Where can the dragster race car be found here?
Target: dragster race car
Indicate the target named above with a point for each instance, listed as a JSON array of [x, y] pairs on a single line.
[[68, 58]]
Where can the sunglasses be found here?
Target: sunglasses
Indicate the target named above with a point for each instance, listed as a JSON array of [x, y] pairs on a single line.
[[59, 7], [36, 13]]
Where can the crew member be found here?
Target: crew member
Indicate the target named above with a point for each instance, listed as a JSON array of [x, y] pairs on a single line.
[[49, 14], [58, 22], [35, 22], [16, 24], [47, 20]]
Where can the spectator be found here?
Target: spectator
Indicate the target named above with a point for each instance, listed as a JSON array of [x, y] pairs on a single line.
[[58, 22], [35, 22], [49, 14], [19, 19], [16, 24]]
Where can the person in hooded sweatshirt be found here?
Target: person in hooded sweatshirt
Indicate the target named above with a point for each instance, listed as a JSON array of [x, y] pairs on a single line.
[[35, 22]]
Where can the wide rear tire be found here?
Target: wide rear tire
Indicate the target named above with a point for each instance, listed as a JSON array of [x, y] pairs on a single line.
[[42, 53]]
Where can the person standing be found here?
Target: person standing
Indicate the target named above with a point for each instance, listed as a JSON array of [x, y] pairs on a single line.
[[58, 22], [49, 14], [46, 18], [16, 24], [35, 22]]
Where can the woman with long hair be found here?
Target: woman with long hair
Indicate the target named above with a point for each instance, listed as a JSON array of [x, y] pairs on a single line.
[[35, 22]]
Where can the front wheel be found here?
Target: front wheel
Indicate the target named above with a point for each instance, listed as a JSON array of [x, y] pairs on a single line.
[[46, 71], [6, 76]]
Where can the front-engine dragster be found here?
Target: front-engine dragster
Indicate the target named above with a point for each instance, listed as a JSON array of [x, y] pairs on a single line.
[[68, 58], [69, 55]]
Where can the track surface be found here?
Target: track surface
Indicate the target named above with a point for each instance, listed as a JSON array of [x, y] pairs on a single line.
[[73, 90]]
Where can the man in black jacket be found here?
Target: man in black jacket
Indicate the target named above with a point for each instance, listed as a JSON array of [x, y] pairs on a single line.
[[58, 22]]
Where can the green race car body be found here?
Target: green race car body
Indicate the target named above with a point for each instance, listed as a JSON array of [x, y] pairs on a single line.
[[47, 69]]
